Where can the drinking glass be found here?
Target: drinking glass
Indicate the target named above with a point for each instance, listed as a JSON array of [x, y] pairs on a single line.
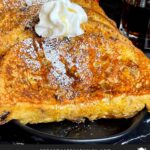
[[135, 22]]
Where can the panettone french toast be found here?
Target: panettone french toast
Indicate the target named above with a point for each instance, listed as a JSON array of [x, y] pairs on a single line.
[[99, 74]]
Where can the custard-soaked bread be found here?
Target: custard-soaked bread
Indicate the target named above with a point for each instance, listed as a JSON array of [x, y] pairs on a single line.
[[84, 77], [99, 74]]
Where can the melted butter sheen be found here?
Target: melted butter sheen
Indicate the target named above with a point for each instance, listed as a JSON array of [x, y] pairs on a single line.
[[61, 18]]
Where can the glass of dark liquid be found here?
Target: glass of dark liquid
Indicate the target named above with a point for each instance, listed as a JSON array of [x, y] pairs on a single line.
[[135, 22]]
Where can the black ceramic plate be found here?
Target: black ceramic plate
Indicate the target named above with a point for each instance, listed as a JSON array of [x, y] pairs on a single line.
[[100, 131]]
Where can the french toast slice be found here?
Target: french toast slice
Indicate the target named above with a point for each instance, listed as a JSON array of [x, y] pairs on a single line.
[[45, 80], [99, 74]]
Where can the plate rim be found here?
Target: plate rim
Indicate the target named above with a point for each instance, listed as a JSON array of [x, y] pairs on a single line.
[[104, 140]]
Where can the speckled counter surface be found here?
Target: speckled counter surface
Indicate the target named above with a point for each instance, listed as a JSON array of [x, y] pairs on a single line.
[[11, 134]]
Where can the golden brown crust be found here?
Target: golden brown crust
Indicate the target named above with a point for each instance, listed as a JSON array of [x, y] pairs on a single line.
[[118, 107], [97, 75], [124, 81]]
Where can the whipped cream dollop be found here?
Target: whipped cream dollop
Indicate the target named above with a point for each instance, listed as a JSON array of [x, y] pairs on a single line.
[[61, 18]]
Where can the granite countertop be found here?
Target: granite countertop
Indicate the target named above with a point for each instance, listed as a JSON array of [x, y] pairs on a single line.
[[11, 134]]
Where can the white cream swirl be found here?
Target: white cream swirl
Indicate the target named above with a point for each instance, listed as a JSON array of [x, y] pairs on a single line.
[[61, 18]]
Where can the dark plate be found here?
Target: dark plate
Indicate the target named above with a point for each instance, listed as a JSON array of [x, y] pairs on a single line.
[[100, 131]]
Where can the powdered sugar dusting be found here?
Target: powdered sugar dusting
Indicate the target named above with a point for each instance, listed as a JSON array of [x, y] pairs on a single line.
[[58, 69], [58, 72], [65, 63], [64, 57], [82, 63], [34, 2], [28, 48], [34, 64], [9, 4], [29, 54], [13, 4], [64, 44]]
